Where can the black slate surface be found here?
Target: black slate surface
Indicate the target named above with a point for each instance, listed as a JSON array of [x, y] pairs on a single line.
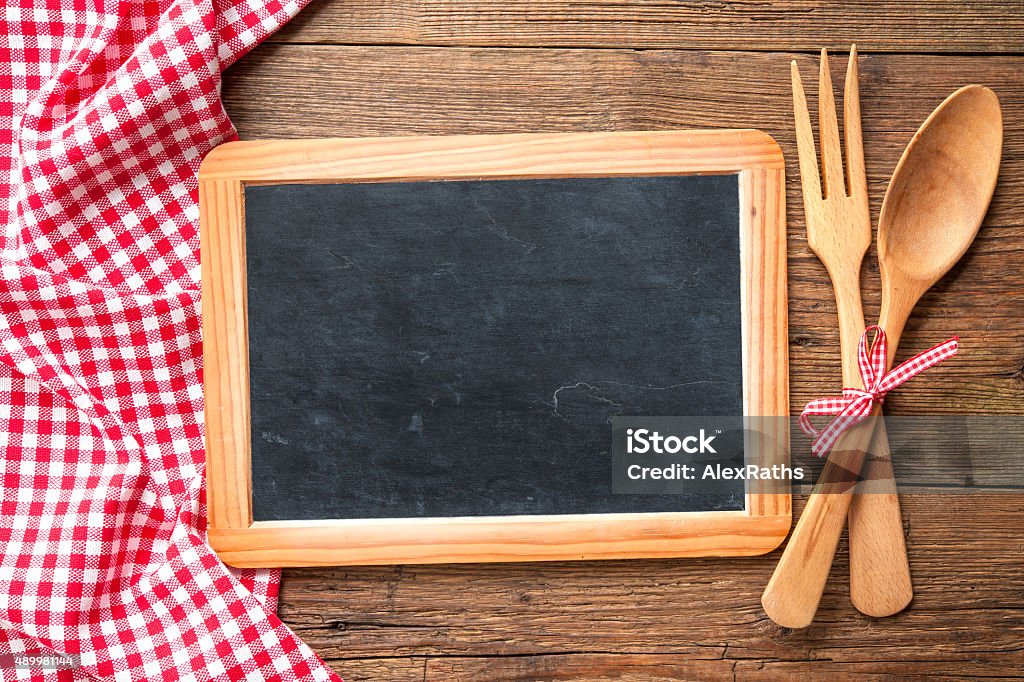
[[457, 348]]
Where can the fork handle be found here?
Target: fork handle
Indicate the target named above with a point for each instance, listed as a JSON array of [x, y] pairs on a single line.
[[792, 595], [850, 311]]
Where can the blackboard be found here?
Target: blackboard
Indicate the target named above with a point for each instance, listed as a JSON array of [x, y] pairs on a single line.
[[417, 355], [457, 348]]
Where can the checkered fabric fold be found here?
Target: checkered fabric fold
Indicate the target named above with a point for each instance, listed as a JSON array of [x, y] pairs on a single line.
[[106, 110]]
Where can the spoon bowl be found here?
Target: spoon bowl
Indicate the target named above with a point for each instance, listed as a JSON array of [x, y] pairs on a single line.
[[940, 192]]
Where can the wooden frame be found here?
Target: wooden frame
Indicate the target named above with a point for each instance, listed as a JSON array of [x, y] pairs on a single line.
[[239, 541]]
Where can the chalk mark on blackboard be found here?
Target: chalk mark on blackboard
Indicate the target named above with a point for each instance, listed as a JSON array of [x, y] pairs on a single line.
[[502, 232], [272, 437], [591, 388], [346, 261], [572, 387]]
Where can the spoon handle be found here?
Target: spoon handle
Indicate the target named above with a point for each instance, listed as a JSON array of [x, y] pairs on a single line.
[[880, 583]]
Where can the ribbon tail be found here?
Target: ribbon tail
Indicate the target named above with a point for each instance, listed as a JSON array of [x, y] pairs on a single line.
[[856, 411], [819, 407], [830, 435], [922, 361]]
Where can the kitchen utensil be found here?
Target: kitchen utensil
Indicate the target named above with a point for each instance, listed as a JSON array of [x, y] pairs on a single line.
[[936, 201], [839, 232]]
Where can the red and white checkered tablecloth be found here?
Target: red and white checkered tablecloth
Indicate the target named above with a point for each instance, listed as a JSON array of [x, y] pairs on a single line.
[[106, 110]]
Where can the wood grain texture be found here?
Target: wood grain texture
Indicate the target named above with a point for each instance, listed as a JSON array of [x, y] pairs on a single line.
[[457, 157], [504, 539], [762, 292], [688, 619], [224, 172], [514, 621], [225, 339], [808, 25]]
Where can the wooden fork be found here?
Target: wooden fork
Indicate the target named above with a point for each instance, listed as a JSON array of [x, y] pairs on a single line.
[[839, 233]]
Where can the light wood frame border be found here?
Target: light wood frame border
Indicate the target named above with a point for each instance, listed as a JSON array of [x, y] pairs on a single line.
[[754, 156]]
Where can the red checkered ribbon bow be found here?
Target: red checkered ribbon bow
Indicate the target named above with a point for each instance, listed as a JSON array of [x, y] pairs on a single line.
[[856, 404]]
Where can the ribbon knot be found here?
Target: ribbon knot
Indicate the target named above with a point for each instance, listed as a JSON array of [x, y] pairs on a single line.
[[855, 404]]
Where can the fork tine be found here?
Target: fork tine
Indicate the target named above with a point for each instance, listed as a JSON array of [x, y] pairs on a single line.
[[855, 174], [809, 177], [831, 151]]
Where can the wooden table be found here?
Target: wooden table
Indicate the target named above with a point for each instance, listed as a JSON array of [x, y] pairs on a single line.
[[389, 67]]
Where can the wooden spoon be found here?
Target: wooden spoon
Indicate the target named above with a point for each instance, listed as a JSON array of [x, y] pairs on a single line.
[[935, 204]]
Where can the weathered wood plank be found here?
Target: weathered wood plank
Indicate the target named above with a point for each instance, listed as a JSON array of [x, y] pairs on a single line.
[[670, 668], [390, 668], [593, 667], [605, 667], [310, 91], [967, 617], [881, 25]]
